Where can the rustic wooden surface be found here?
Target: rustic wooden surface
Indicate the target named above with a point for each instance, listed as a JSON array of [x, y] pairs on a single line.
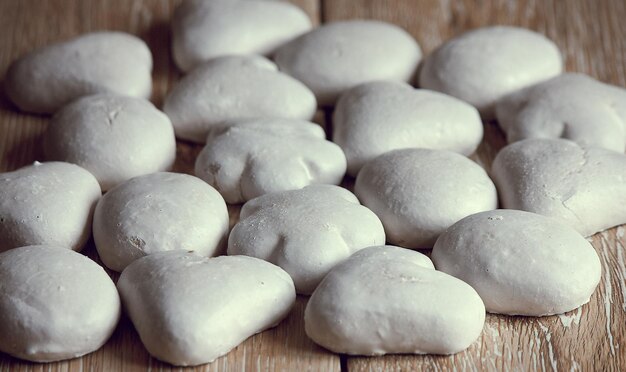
[[590, 33]]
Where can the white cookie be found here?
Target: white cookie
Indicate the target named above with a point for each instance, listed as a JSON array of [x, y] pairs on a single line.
[[47, 203], [230, 88], [377, 117], [340, 55], [520, 263], [55, 303], [202, 29], [159, 212], [483, 65], [114, 137], [583, 187], [570, 106], [190, 310], [418, 193], [389, 300], [249, 158], [48, 78], [306, 232]]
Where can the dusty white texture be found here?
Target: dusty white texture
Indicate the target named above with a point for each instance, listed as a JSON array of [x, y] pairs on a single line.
[[389, 300], [306, 232], [236, 87], [55, 303], [47, 203], [483, 65], [583, 187], [339, 55], [190, 310], [571, 106], [377, 117], [113, 137], [249, 158], [520, 263], [202, 29], [50, 77], [418, 193], [159, 212]]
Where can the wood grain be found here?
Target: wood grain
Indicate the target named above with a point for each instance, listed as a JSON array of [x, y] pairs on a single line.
[[592, 36]]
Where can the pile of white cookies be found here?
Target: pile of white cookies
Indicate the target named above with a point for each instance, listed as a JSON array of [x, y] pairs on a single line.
[[256, 72]]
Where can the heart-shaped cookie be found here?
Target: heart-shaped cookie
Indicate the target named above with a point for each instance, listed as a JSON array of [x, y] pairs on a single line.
[[189, 310], [385, 300], [374, 118], [583, 187]]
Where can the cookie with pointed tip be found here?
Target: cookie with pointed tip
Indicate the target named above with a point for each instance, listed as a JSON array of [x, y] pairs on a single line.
[[583, 187], [306, 232], [418, 193], [202, 29], [159, 212], [56, 304], [231, 88], [48, 78], [340, 55], [114, 137], [190, 310], [374, 118], [571, 106], [389, 300], [520, 263], [483, 65], [47, 203], [249, 158]]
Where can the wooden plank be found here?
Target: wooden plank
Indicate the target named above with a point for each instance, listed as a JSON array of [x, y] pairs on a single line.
[[26, 24], [592, 36]]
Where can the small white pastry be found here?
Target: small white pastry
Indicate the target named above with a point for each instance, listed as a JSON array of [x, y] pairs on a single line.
[[47, 203], [389, 300], [48, 78], [114, 137], [190, 310], [55, 303], [571, 106], [249, 158], [306, 232], [202, 29], [418, 193], [483, 65], [583, 187], [230, 88], [340, 55], [159, 212], [520, 263], [377, 117]]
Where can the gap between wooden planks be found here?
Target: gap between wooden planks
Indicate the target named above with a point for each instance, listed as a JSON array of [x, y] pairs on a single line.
[[592, 36]]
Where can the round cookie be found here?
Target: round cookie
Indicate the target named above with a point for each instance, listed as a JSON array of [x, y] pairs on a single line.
[[48, 78], [55, 303], [190, 310], [47, 203], [339, 55], [520, 263], [249, 158], [389, 300], [235, 87], [113, 137], [418, 193], [571, 106], [377, 117], [202, 29], [483, 65], [159, 212], [306, 232]]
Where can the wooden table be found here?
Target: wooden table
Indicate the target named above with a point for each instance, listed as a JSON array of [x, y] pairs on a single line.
[[590, 33]]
